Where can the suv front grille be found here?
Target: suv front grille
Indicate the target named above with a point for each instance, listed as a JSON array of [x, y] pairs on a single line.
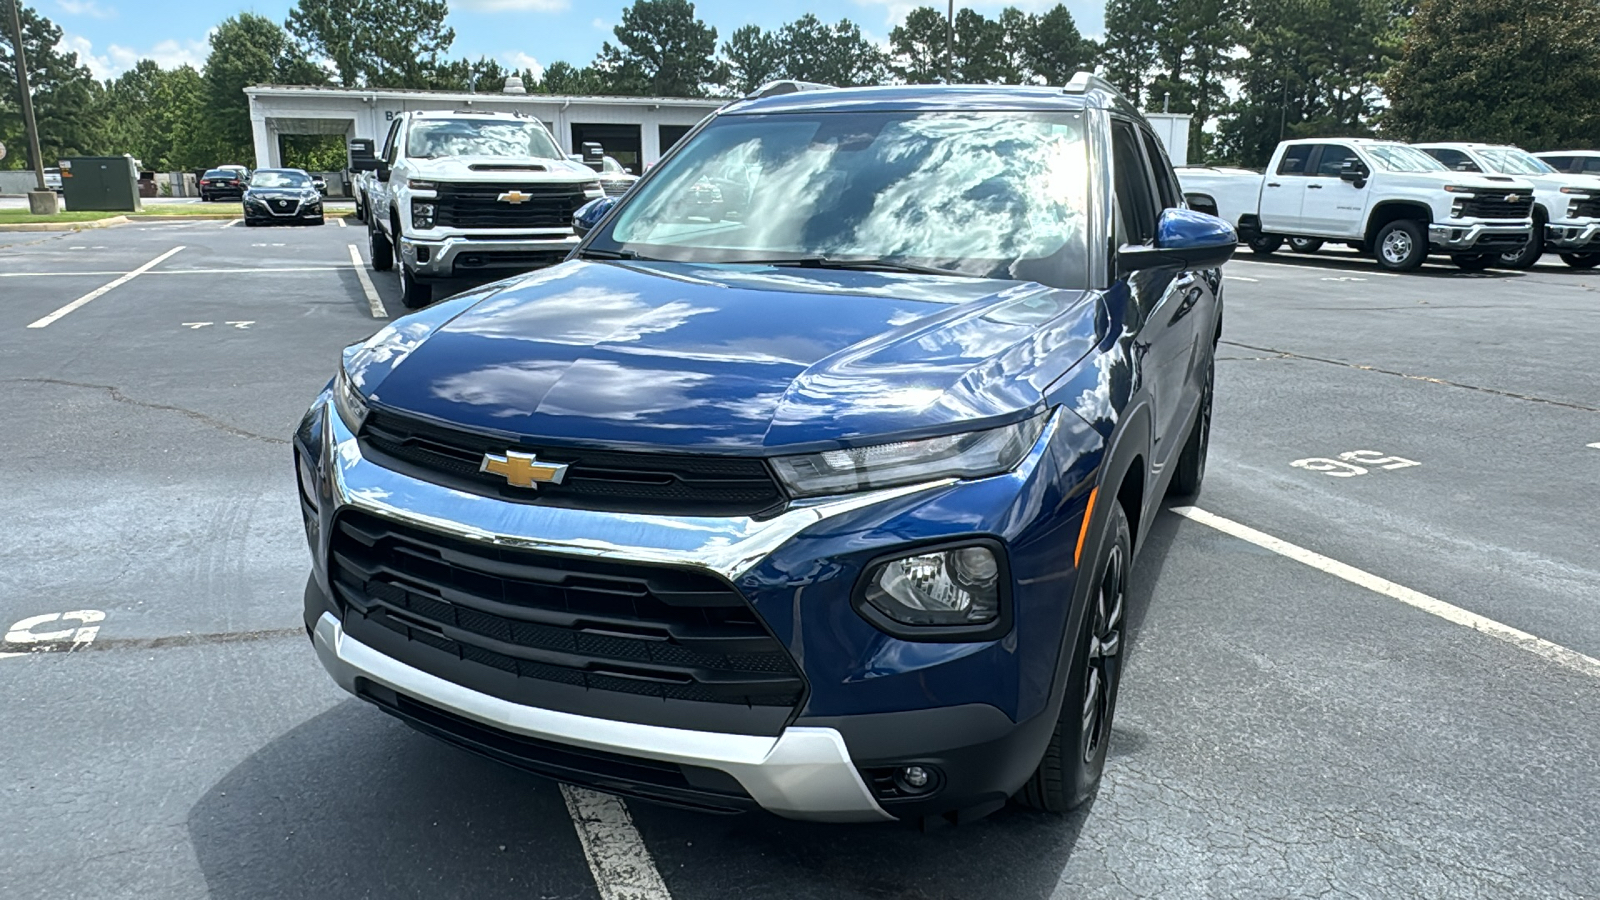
[[597, 479], [1494, 205], [480, 206], [544, 621]]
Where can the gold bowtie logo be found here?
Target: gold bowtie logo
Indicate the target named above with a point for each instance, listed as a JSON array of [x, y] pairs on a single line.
[[523, 469], [514, 197]]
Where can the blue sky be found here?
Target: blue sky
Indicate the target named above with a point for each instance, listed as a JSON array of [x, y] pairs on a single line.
[[111, 35]]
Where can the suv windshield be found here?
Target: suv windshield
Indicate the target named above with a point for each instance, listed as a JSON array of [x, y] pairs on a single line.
[[280, 180], [1512, 161], [997, 194], [434, 138], [1401, 158]]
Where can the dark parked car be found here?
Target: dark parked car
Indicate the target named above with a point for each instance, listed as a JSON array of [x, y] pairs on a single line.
[[222, 184], [282, 196], [827, 509]]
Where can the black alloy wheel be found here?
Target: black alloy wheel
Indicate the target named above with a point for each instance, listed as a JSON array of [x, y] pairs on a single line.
[[1069, 773]]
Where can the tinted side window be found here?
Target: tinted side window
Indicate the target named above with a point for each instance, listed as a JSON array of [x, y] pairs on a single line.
[[1295, 159], [1134, 195], [1167, 189], [1559, 163], [1454, 159], [389, 142], [1333, 158], [1591, 164]]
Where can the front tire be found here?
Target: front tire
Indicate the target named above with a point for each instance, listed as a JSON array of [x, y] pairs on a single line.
[[414, 294], [1265, 245], [1192, 462], [1581, 260], [1529, 253], [1305, 245], [1401, 246], [379, 248], [1474, 262], [1069, 773]]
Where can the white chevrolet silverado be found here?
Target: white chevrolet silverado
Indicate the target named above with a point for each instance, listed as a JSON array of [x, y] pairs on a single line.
[[463, 193], [1566, 207], [1382, 197]]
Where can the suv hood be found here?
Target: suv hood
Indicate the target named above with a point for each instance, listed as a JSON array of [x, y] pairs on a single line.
[[498, 168], [736, 359]]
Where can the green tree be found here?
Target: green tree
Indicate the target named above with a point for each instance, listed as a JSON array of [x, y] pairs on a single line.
[[830, 54], [665, 51], [1052, 48], [917, 47], [375, 43], [754, 57], [246, 50], [65, 95], [1176, 55], [564, 78], [148, 113], [1129, 49], [1517, 71]]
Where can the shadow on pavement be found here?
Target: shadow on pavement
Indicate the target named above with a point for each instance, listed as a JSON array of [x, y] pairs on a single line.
[[354, 804]]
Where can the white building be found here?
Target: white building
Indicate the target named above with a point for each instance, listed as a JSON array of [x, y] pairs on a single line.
[[634, 130]]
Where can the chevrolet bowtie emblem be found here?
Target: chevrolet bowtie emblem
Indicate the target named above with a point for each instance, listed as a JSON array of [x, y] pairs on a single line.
[[1512, 198], [514, 197], [523, 469]]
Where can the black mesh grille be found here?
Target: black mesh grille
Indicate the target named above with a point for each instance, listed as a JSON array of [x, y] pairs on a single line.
[[1588, 209], [596, 479], [656, 632], [1495, 205], [480, 206]]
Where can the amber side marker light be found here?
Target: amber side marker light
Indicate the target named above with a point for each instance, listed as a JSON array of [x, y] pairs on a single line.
[[1083, 530]]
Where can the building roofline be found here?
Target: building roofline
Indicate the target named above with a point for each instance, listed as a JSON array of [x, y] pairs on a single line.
[[295, 90]]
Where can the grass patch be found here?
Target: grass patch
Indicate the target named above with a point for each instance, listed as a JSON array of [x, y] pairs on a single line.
[[23, 217], [233, 209]]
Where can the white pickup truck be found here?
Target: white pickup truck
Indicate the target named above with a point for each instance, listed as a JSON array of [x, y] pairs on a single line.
[[1381, 197], [1566, 207], [464, 193]]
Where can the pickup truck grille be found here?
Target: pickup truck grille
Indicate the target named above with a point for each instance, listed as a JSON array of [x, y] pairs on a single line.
[[1588, 209], [1494, 205], [611, 481], [523, 618], [480, 206]]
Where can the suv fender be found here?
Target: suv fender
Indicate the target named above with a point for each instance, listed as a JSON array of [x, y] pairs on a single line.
[[1393, 210]]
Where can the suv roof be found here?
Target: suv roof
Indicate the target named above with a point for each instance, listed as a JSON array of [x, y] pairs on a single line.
[[458, 113], [1091, 94]]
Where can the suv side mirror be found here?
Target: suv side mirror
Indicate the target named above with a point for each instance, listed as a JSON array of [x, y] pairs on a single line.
[[1354, 171], [1185, 239], [590, 214]]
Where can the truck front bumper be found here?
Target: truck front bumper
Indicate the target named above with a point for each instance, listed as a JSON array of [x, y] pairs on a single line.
[[458, 255], [1575, 236], [1455, 237]]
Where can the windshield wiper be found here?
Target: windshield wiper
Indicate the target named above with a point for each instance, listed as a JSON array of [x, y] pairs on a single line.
[[863, 265], [591, 253]]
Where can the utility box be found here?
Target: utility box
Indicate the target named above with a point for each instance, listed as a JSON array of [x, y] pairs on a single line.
[[1173, 130], [108, 183]]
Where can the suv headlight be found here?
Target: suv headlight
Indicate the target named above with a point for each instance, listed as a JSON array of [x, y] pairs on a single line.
[[348, 401], [421, 215], [955, 586], [970, 455]]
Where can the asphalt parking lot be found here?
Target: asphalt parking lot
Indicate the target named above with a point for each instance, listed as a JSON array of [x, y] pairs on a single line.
[[1362, 665]]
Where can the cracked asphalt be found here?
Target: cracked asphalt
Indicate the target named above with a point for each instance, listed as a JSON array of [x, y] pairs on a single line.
[[1281, 733]]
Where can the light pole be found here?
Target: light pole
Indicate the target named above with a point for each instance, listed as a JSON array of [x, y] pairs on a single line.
[[950, 43], [43, 200]]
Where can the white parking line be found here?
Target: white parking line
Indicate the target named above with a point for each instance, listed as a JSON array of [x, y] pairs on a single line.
[[1596, 445], [239, 271], [340, 220], [99, 291], [1242, 278], [618, 859], [231, 222], [374, 303], [1538, 646], [1295, 267]]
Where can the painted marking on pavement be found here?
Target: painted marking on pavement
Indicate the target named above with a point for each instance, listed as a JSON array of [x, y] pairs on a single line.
[[246, 323], [1348, 468], [1291, 267], [1538, 646], [230, 223], [374, 304], [23, 633], [618, 859], [195, 326], [340, 220], [239, 271], [100, 291], [1242, 278], [1596, 445]]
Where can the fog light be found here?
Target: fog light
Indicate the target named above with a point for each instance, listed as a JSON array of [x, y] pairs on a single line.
[[959, 586], [915, 776]]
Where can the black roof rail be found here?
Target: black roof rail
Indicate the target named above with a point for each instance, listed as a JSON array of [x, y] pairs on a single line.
[[786, 86]]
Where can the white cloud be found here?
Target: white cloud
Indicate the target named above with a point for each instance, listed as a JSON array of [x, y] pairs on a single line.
[[512, 5], [86, 8], [518, 61], [168, 54], [601, 24]]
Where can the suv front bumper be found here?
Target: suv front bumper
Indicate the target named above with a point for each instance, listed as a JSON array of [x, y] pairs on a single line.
[[456, 255], [1572, 237], [1463, 236]]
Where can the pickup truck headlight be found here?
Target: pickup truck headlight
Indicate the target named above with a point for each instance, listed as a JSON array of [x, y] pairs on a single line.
[[970, 455], [421, 215], [348, 401], [1462, 190], [594, 189], [954, 586]]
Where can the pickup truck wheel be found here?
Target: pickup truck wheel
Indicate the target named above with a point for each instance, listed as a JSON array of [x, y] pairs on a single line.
[[1400, 245], [1305, 245], [414, 294], [1581, 260], [1266, 245], [1474, 262], [1529, 253], [1069, 773], [379, 248], [1192, 462]]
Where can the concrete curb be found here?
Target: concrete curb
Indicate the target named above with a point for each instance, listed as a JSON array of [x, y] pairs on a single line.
[[64, 226]]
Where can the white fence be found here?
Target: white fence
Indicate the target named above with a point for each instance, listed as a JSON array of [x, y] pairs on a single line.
[[17, 181]]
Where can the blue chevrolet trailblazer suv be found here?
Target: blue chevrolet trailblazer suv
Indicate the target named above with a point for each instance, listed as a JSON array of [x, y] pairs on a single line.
[[810, 482]]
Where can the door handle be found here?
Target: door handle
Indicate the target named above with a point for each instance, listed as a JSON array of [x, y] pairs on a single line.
[[1273, 184], [1313, 187]]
